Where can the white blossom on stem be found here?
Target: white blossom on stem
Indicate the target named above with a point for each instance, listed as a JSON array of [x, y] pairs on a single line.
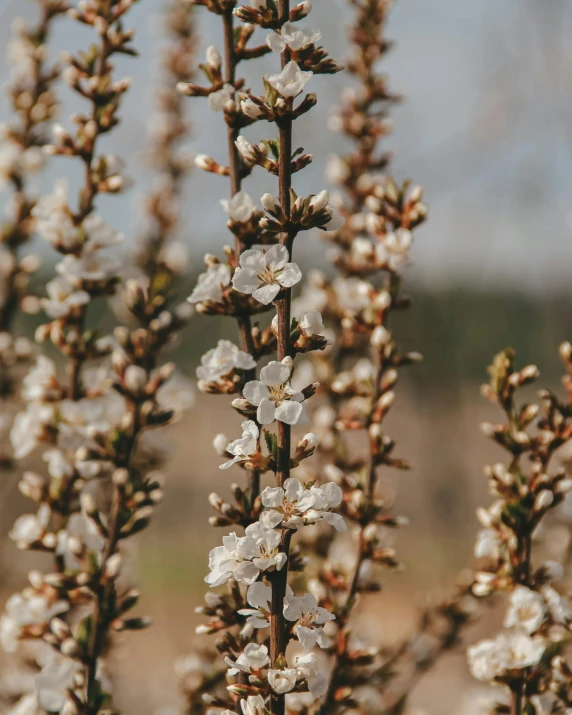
[[273, 395], [222, 360], [294, 506], [63, 298], [263, 275], [516, 650], [245, 447], [309, 618], [243, 558], [282, 681], [292, 37], [240, 208], [291, 81], [253, 659], [526, 610], [219, 99], [211, 284], [259, 596]]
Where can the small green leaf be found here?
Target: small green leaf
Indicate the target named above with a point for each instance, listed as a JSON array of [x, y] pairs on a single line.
[[274, 146], [83, 632], [270, 94], [271, 443]]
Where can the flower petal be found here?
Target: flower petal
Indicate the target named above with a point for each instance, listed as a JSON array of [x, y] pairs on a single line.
[[266, 293], [266, 412], [290, 275], [274, 374], [245, 280], [277, 257], [255, 391], [289, 412]]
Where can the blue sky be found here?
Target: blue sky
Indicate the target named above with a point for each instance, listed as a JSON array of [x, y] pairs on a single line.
[[486, 127]]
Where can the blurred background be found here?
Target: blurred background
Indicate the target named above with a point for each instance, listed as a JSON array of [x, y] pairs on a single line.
[[486, 128]]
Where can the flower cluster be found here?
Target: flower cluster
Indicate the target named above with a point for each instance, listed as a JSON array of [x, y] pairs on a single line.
[[93, 422], [526, 657], [33, 104], [260, 614], [358, 372]]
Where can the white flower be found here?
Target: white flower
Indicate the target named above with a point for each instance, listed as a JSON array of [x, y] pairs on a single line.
[[247, 150], [267, 555], [90, 266], [291, 36], [27, 428], [254, 658], [233, 558], [26, 610], [243, 448], [53, 683], [310, 618], [282, 681], [219, 99], [30, 528], [240, 208], [509, 651], [488, 544], [53, 218], [100, 234], [291, 81], [41, 381], [259, 596], [486, 660], [211, 284], [177, 394], [293, 505], [557, 605], [253, 705], [394, 248], [222, 360], [526, 610], [273, 395], [245, 557], [251, 109], [263, 275], [62, 298], [79, 530], [353, 294], [311, 323], [307, 667]]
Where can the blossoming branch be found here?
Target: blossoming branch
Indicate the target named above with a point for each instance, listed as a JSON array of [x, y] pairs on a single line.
[[260, 614], [529, 657], [100, 487], [359, 371], [33, 105]]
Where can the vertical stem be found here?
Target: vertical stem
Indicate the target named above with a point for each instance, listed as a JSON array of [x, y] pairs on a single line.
[[278, 641], [244, 321], [516, 698], [523, 574]]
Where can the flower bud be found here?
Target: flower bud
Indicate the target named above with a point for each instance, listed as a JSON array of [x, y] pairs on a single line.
[[380, 336], [135, 378], [214, 59], [543, 500], [320, 201]]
